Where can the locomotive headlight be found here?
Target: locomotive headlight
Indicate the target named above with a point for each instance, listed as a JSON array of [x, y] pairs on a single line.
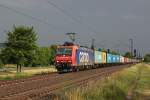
[[57, 61]]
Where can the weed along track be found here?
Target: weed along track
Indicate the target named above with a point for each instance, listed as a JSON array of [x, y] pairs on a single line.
[[40, 86], [133, 86]]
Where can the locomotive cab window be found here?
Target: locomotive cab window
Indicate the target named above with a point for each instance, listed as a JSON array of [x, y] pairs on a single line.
[[64, 51]]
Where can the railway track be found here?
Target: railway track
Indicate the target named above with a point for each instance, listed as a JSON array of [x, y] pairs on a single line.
[[17, 81], [40, 86], [72, 83]]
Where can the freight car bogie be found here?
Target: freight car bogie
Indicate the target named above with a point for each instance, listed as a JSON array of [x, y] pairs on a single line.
[[63, 68]]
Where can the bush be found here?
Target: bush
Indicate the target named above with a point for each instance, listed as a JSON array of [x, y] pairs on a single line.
[[6, 78], [44, 56], [1, 63], [147, 58]]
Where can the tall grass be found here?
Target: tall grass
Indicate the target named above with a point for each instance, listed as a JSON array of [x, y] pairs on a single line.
[[114, 87], [142, 91]]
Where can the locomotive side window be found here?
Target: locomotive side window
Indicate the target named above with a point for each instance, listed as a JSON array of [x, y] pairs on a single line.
[[64, 51]]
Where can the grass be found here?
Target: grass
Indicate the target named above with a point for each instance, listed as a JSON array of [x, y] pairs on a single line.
[[26, 72], [115, 87], [143, 86], [15, 76]]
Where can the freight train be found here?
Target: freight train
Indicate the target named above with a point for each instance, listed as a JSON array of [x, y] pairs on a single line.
[[72, 57]]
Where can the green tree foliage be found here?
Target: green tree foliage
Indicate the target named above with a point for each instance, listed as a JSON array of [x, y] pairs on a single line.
[[128, 54], [21, 46], [1, 63], [53, 53], [44, 56], [147, 58], [102, 49], [114, 53]]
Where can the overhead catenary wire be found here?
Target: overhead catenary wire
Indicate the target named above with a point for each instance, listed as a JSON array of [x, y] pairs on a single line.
[[74, 18], [24, 14], [85, 22], [36, 18], [78, 20]]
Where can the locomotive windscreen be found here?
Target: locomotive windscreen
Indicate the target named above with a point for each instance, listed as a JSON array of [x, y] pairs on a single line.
[[64, 51]]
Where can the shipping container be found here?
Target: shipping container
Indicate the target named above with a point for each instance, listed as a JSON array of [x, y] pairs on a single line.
[[125, 60], [121, 59], [114, 58], [109, 58], [130, 60], [98, 57], [84, 57], [104, 57], [117, 58]]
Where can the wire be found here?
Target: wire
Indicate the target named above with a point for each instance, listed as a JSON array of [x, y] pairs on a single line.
[[26, 15], [78, 20], [63, 11]]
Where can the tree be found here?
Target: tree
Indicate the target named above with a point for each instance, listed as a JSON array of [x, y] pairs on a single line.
[[128, 54], [53, 54], [147, 58], [20, 46], [44, 56], [114, 53], [1, 63]]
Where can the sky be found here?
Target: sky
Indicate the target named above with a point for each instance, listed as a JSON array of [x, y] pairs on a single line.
[[110, 22]]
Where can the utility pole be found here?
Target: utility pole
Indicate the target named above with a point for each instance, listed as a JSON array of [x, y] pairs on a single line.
[[93, 44], [137, 53], [131, 48], [135, 50], [140, 55]]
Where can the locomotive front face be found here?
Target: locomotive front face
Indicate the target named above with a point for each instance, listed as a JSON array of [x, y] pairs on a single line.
[[64, 55], [65, 58]]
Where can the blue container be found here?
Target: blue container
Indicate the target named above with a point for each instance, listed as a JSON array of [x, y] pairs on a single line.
[[98, 57], [114, 58], [84, 57], [109, 58], [118, 58]]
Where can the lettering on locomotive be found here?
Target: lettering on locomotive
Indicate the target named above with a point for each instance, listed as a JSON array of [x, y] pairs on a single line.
[[83, 57]]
